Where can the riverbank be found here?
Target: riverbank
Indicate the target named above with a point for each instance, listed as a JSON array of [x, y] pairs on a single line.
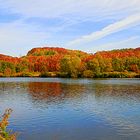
[[86, 74]]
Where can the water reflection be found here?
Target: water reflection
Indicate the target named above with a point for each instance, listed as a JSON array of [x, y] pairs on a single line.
[[42, 91], [117, 90], [13, 87], [55, 90], [73, 109]]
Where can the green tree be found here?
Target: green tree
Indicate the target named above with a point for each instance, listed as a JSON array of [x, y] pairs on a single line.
[[118, 64], [70, 65], [7, 66], [101, 61], [88, 74], [93, 65], [108, 65]]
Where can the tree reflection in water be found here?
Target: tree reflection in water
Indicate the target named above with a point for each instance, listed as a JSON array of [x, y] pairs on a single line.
[[56, 90]]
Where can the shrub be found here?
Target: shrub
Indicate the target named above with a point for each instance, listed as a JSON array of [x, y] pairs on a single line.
[[1, 74], [4, 134], [63, 74], [48, 74], [88, 74], [27, 74]]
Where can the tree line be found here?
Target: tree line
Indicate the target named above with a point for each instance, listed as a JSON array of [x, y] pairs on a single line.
[[61, 62]]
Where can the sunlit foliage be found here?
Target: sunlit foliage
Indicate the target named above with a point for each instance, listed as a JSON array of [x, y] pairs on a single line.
[[60, 62]]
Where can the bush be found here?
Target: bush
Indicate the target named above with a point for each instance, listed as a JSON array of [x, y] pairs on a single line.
[[26, 74], [137, 76], [4, 134], [116, 75], [48, 74], [88, 74], [63, 74], [1, 74]]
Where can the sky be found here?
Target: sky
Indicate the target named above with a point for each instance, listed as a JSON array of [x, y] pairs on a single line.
[[87, 25]]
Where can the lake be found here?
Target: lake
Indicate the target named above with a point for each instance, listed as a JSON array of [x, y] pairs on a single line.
[[72, 109]]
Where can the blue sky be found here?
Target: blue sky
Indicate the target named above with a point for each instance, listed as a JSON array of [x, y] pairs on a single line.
[[88, 25]]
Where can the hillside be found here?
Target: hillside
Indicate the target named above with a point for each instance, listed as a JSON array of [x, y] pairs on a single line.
[[120, 53], [61, 62], [8, 58]]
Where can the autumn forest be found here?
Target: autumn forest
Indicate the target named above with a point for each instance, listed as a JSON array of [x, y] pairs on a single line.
[[61, 62]]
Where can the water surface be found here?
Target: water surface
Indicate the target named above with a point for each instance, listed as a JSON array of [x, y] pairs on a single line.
[[72, 109]]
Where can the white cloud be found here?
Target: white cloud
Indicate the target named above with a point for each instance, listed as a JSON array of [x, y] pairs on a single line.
[[57, 8], [18, 37], [128, 22]]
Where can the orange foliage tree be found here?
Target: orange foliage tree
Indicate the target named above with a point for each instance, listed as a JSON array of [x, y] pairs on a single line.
[[74, 62]]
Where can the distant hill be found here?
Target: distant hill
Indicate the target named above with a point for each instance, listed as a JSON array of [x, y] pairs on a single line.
[[61, 62], [47, 51], [8, 58], [120, 53]]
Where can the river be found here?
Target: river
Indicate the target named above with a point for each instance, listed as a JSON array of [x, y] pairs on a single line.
[[72, 109]]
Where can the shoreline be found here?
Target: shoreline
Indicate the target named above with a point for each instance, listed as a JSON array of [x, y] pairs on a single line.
[[66, 75]]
